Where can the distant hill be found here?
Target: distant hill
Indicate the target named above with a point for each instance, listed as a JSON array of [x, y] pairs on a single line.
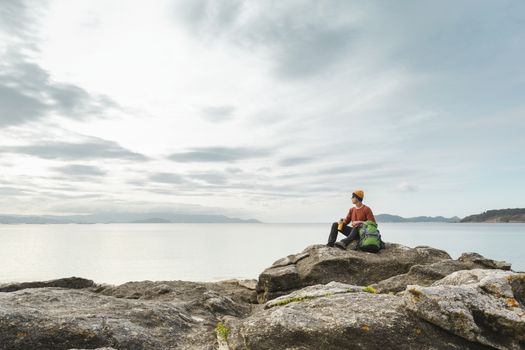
[[26, 219], [498, 215], [397, 218], [107, 218], [151, 221]]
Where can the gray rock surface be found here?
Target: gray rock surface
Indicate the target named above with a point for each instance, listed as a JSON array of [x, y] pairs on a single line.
[[68, 282], [485, 306], [134, 315], [321, 264], [315, 291], [425, 275], [338, 316]]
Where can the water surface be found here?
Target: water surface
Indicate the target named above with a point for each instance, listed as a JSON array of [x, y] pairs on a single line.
[[116, 253]]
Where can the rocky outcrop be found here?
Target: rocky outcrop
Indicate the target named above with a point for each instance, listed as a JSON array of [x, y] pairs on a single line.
[[425, 275], [469, 309], [242, 291], [322, 264], [134, 315], [484, 306], [338, 316], [321, 298], [68, 282]]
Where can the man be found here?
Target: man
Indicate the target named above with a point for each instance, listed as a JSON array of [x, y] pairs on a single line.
[[357, 215]]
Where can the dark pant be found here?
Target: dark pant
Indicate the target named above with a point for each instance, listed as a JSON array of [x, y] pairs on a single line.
[[351, 233]]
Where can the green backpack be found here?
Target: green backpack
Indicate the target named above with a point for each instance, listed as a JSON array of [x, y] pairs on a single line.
[[369, 238]]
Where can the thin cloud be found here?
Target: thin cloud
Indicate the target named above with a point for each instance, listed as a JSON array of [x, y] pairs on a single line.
[[218, 113], [291, 161], [95, 149], [13, 191], [204, 179], [168, 178], [27, 93], [27, 90], [15, 18], [18, 108], [81, 170], [300, 45], [210, 177], [234, 170], [218, 154], [407, 187]]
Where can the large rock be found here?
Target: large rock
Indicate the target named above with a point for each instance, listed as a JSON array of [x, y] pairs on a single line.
[[319, 264], [425, 275], [134, 315], [338, 316], [486, 306], [67, 282], [242, 291]]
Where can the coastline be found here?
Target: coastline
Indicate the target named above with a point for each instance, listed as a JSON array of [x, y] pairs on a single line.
[[388, 292]]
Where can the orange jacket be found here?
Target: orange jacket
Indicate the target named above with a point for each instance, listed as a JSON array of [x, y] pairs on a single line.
[[359, 214]]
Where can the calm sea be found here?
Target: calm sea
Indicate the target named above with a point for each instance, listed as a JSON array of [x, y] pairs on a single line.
[[116, 253]]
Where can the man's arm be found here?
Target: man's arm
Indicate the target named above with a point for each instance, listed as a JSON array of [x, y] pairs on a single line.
[[348, 218], [370, 215]]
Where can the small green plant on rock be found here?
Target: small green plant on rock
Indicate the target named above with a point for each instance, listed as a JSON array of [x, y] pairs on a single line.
[[291, 300], [222, 331], [370, 289]]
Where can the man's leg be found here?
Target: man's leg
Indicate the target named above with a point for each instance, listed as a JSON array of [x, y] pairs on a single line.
[[354, 235], [333, 233]]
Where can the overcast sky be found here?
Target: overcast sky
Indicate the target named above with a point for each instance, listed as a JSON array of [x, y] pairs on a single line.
[[274, 110]]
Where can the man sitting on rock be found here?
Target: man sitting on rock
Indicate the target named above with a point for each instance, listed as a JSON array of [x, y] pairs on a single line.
[[357, 215]]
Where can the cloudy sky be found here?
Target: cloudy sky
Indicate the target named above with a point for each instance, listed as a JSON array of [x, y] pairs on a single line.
[[275, 110]]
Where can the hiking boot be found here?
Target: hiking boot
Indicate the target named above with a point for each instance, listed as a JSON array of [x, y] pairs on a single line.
[[340, 245], [330, 245]]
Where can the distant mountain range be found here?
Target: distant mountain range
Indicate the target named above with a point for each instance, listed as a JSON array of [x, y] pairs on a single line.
[[107, 218], [396, 218], [499, 215]]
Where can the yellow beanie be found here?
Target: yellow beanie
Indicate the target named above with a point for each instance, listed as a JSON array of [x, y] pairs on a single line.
[[359, 193]]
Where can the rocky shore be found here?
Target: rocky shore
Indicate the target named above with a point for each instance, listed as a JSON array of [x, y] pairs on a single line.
[[321, 298]]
